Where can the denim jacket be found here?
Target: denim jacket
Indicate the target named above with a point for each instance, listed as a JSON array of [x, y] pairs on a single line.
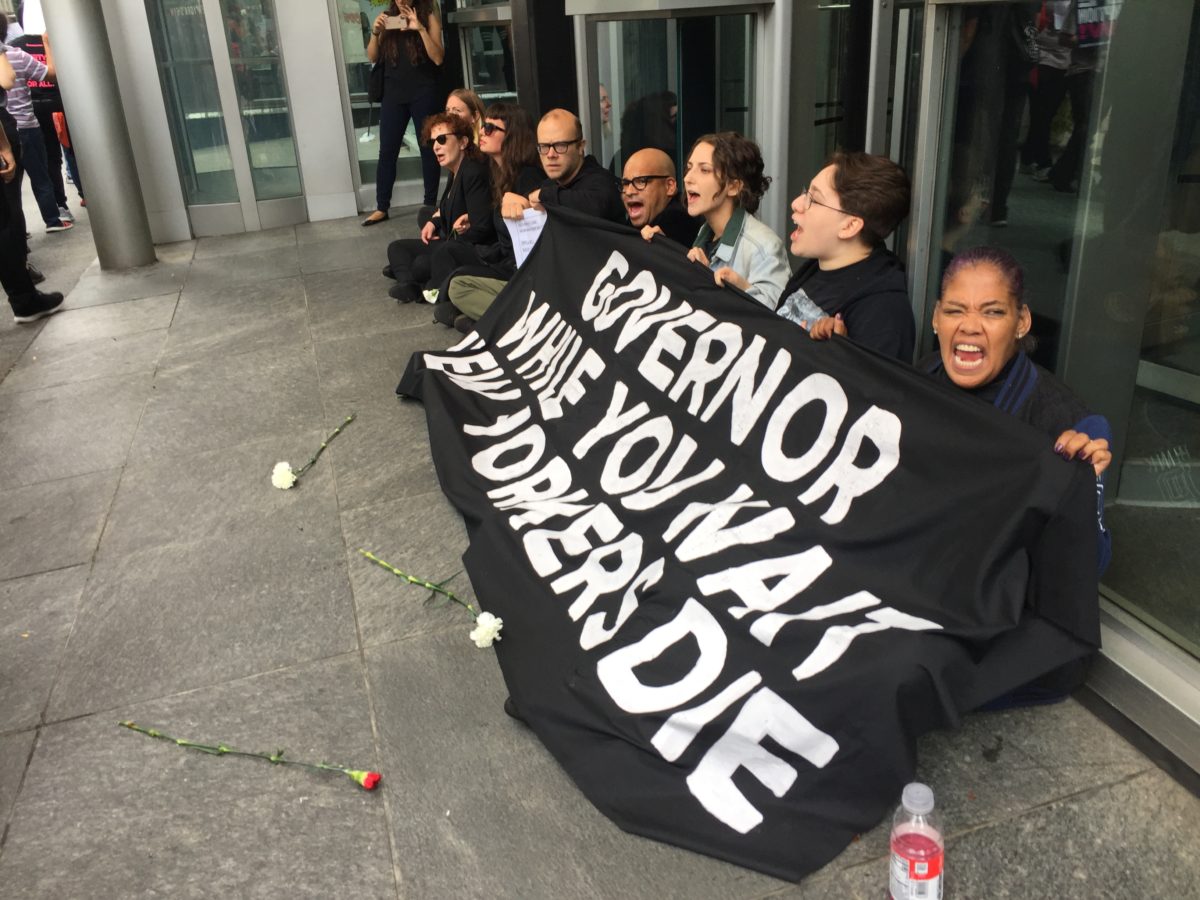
[[752, 250]]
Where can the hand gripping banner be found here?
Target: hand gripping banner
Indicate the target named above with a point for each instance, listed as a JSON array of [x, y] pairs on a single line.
[[740, 570]]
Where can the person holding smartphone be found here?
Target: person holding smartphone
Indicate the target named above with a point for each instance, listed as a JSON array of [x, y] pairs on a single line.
[[407, 41]]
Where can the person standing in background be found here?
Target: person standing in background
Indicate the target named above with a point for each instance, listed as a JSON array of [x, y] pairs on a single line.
[[19, 103], [407, 41], [46, 102]]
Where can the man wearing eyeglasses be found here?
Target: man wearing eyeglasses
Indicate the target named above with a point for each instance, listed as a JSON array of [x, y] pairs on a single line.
[[573, 178], [651, 197], [848, 282]]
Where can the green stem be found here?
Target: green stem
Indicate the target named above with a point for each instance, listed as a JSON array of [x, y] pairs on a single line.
[[275, 758], [308, 465], [412, 579]]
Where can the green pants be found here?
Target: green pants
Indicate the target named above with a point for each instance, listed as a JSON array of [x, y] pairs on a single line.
[[473, 294]]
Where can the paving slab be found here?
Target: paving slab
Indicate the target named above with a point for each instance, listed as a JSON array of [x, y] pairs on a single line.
[[227, 271], [226, 402], [14, 754], [332, 321], [223, 494], [384, 455], [69, 429], [14, 338], [402, 222], [36, 615], [112, 320], [99, 288], [1131, 839], [185, 615], [367, 368], [265, 299], [104, 357], [53, 525], [249, 242], [486, 810], [358, 252], [106, 812], [202, 342], [422, 536]]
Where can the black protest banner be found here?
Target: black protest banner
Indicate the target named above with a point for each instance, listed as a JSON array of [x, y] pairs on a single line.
[[740, 571]]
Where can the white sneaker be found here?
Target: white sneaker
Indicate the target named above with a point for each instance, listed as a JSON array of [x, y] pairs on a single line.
[[65, 214]]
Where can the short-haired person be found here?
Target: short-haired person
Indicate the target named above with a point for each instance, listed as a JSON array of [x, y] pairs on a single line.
[[849, 283], [651, 197], [982, 323], [573, 178], [723, 181], [468, 191]]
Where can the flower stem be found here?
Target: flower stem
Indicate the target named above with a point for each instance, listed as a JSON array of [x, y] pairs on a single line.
[[412, 579], [308, 465], [275, 758]]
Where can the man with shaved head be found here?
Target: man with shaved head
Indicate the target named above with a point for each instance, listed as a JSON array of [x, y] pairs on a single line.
[[573, 179], [651, 197]]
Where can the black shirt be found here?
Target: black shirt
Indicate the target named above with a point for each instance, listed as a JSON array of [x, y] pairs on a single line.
[[871, 295], [593, 190]]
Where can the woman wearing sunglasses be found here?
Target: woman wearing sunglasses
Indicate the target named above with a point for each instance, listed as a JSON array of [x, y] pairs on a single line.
[[464, 212], [509, 142]]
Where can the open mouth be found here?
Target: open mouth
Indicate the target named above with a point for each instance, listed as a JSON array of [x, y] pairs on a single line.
[[634, 208], [968, 356], [693, 197]]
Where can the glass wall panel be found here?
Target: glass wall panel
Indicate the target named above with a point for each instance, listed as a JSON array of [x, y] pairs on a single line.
[[262, 97], [1054, 150], [355, 18], [487, 53], [665, 82], [185, 68]]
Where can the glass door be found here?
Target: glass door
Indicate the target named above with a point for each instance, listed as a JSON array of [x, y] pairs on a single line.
[[219, 62]]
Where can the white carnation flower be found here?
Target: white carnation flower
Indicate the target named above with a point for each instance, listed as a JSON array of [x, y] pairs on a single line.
[[486, 630], [282, 476]]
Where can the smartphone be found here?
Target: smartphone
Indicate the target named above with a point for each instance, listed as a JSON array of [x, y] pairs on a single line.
[[399, 23]]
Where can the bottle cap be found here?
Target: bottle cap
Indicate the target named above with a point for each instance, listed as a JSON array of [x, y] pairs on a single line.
[[917, 799]]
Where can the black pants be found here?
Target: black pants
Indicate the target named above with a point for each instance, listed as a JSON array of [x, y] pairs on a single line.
[[12, 189], [410, 259], [54, 155], [1043, 104], [14, 276], [1069, 166]]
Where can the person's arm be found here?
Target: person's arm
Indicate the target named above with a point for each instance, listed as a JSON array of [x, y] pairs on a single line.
[[51, 75], [373, 43], [431, 35], [8, 165], [7, 76]]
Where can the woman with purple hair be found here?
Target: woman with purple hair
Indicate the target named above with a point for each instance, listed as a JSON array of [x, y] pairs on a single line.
[[982, 324]]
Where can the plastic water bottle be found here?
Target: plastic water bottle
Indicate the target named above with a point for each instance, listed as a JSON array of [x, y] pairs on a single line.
[[918, 850]]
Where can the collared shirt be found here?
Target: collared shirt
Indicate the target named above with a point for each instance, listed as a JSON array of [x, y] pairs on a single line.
[[19, 102], [752, 250]]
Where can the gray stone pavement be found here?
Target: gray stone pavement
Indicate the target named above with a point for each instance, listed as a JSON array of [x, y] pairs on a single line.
[[148, 570]]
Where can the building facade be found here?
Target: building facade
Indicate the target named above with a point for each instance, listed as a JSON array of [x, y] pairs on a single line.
[[1063, 130]]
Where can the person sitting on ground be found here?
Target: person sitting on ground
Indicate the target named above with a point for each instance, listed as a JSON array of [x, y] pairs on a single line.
[[509, 142], [849, 283], [468, 191], [723, 182], [651, 197], [573, 180], [982, 326], [466, 105]]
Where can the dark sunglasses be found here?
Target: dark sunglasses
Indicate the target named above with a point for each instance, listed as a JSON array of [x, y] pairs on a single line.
[[440, 140], [489, 129]]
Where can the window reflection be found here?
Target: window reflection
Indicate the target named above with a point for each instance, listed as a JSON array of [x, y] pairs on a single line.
[[262, 97], [185, 68], [488, 53]]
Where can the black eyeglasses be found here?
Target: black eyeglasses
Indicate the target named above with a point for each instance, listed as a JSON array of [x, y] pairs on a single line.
[[440, 140], [639, 182], [489, 128], [809, 200], [560, 147]]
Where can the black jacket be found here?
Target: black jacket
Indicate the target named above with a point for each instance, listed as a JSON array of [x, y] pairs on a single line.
[[677, 224], [593, 190], [470, 192]]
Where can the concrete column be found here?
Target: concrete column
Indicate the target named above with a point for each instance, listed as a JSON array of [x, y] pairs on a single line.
[[92, 99]]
